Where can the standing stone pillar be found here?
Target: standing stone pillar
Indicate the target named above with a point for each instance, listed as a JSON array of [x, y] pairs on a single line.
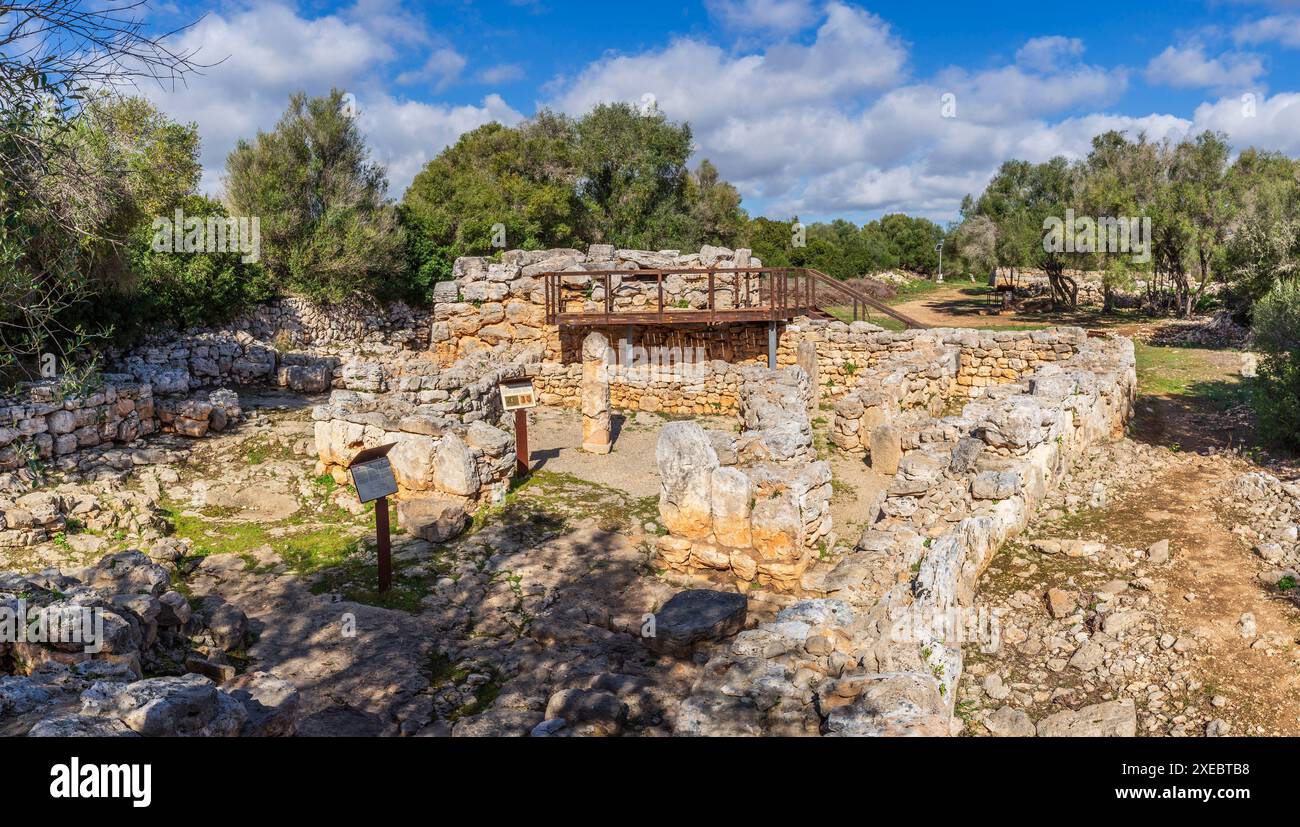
[[595, 395], [806, 357]]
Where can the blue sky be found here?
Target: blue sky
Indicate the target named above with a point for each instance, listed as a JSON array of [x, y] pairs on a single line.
[[821, 109]]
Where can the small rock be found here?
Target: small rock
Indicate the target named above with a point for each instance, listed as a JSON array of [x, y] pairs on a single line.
[[1010, 723], [1158, 552]]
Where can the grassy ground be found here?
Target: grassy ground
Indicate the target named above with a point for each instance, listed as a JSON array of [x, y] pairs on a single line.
[[1193, 398]]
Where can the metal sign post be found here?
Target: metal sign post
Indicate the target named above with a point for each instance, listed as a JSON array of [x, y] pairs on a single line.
[[372, 476], [518, 395]]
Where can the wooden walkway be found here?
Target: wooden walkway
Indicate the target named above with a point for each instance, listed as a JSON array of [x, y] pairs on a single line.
[[762, 294]]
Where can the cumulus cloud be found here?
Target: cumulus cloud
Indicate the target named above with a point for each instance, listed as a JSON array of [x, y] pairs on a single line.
[[836, 125], [782, 17], [1188, 67], [1283, 29], [1045, 54], [1267, 122], [268, 52], [441, 68]]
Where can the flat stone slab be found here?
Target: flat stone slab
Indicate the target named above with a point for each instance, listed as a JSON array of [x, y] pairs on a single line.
[[1112, 719], [697, 615]]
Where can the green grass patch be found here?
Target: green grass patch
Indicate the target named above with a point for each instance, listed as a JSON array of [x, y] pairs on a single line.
[[1186, 372]]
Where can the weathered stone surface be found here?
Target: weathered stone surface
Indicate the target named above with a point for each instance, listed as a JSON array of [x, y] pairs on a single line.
[[588, 712], [185, 705], [686, 461], [412, 459], [454, 469], [271, 704], [1110, 719], [886, 448], [596, 417], [436, 519], [994, 485], [1061, 602], [1010, 723], [695, 615], [730, 496]]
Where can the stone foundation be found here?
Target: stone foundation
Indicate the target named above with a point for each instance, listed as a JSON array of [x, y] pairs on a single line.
[[756, 504], [876, 651], [453, 438]]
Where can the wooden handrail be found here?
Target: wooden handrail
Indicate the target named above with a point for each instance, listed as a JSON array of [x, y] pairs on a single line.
[[777, 298]]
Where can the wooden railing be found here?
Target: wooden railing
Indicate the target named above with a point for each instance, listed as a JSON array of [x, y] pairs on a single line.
[[730, 294]]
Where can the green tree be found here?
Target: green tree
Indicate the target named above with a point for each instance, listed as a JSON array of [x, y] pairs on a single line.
[[715, 211], [327, 229], [1277, 335], [632, 177], [522, 179]]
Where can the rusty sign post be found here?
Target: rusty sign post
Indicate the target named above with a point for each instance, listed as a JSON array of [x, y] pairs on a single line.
[[372, 476], [518, 395]]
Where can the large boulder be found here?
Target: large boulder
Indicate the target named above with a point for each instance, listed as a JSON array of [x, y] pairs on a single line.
[[436, 519], [169, 706], [1110, 719], [271, 704], [686, 461], [454, 469], [696, 615]]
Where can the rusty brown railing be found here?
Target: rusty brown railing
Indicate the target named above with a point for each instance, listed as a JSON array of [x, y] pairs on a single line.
[[747, 294]]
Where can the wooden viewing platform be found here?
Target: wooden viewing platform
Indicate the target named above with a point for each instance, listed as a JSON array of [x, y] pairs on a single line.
[[732, 294]]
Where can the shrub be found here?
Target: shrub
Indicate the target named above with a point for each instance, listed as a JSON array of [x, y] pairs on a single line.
[[1277, 390]]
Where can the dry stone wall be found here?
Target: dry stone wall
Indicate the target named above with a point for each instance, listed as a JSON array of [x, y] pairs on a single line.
[[877, 650], [490, 303], [987, 357], [452, 437], [755, 504]]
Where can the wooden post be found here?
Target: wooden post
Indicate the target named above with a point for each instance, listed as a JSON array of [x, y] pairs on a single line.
[[521, 441], [385, 545]]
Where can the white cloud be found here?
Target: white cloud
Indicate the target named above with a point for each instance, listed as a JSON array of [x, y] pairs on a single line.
[[854, 53], [1271, 123], [441, 68], [781, 17], [1188, 67], [1283, 29], [405, 135], [1045, 54], [501, 73], [834, 125], [269, 52]]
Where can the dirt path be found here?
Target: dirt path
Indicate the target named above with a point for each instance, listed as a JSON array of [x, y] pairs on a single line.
[[1213, 582]]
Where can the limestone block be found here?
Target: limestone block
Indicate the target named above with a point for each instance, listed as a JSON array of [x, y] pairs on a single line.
[[730, 496], [686, 462]]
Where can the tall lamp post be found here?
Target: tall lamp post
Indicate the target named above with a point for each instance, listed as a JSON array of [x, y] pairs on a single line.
[[939, 248]]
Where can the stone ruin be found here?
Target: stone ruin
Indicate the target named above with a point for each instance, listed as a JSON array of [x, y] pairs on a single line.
[[970, 428], [757, 503], [872, 651]]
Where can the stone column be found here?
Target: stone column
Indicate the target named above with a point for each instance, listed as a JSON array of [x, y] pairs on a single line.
[[806, 357], [595, 395]]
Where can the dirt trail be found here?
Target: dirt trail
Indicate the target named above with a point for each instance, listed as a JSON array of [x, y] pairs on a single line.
[[1217, 568]]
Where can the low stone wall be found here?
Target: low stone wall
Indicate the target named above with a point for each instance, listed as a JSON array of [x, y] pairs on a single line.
[[703, 388], [453, 439], [878, 650], [490, 303], [755, 504], [40, 424], [987, 357]]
